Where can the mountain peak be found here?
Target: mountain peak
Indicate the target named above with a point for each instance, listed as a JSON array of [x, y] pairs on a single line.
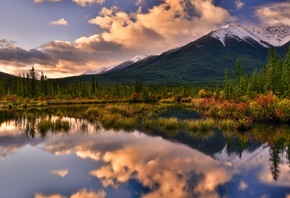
[[138, 58], [237, 31], [273, 35]]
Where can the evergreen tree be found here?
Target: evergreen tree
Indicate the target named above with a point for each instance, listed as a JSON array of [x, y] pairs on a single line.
[[42, 84], [286, 74], [32, 75], [227, 84], [138, 84], [93, 86], [272, 71], [239, 83]]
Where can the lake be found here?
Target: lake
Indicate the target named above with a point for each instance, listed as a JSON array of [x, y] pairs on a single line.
[[86, 160]]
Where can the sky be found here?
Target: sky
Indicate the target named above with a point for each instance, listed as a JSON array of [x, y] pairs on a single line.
[[67, 37]]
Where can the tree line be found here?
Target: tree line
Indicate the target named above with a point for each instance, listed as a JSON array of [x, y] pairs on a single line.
[[274, 77], [28, 86]]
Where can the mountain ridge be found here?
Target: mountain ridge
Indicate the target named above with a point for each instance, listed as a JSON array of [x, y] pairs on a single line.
[[200, 62]]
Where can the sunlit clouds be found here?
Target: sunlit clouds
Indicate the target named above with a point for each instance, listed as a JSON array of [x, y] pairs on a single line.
[[122, 35], [239, 4], [61, 21], [88, 2], [84, 193], [125, 34], [275, 13], [61, 173], [166, 165], [41, 1], [118, 34]]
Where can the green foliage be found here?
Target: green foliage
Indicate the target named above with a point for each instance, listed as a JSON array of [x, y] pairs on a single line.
[[274, 78]]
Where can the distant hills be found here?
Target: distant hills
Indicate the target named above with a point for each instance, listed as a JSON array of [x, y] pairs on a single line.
[[202, 61]]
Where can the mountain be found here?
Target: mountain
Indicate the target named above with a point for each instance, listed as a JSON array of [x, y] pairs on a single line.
[[116, 67], [266, 36], [5, 75], [203, 61]]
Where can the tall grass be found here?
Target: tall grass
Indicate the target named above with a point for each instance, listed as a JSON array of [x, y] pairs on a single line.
[[199, 125]]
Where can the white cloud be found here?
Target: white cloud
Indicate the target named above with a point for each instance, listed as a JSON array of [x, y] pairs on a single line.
[[89, 194], [80, 194], [123, 35], [41, 1], [178, 172], [88, 2], [38, 195], [181, 22], [61, 173], [243, 186], [61, 21], [274, 14], [239, 4]]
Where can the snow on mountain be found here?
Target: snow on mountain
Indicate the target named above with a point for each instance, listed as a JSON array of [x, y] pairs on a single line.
[[235, 31], [260, 155], [138, 58], [257, 162], [102, 70], [98, 71], [273, 35]]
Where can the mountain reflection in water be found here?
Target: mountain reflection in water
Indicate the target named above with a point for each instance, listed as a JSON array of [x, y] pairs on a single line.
[[92, 162]]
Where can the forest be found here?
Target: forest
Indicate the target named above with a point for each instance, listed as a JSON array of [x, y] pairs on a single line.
[[260, 95]]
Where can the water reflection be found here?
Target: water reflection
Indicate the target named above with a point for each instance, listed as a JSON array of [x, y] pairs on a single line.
[[88, 161]]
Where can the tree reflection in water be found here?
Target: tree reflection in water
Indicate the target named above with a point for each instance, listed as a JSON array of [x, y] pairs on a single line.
[[276, 138]]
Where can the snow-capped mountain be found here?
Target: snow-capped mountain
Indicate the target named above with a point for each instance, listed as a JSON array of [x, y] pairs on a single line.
[[123, 65], [205, 59], [266, 36], [274, 35], [129, 62], [138, 58], [98, 71]]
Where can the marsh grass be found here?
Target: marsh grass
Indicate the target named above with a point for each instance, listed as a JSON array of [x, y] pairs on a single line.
[[84, 127], [44, 126], [199, 125], [168, 123], [227, 124]]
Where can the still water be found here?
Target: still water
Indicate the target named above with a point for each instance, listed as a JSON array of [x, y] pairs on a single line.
[[89, 161]]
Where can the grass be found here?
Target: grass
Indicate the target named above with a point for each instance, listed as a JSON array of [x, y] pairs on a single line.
[[168, 123], [227, 124], [55, 126], [200, 125]]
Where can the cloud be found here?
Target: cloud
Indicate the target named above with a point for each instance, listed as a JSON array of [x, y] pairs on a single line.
[[61, 21], [61, 173], [179, 172], [38, 195], [89, 194], [123, 35], [274, 14], [80, 194], [243, 186], [239, 4], [88, 2], [181, 22], [41, 1]]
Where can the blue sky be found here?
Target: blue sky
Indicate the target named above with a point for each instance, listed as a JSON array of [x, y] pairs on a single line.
[[68, 37]]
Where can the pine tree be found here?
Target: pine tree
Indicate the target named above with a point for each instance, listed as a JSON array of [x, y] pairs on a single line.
[[227, 84], [272, 71], [32, 75], [239, 85], [286, 74], [93, 86], [138, 84], [42, 84]]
